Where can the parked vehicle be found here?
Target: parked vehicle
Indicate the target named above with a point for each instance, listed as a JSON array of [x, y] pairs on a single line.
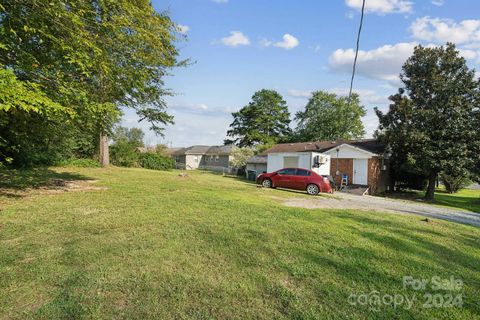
[[296, 178]]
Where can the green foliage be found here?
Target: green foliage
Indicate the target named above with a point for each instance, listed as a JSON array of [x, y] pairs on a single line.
[[259, 148], [124, 151], [70, 65], [240, 156], [24, 96], [432, 124], [156, 161], [264, 120], [330, 117], [453, 184], [79, 163]]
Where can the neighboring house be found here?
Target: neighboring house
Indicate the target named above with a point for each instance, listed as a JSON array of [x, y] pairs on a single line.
[[362, 161], [216, 158]]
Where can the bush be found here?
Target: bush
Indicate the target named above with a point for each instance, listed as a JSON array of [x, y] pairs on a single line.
[[156, 161], [124, 154], [453, 184], [79, 163]]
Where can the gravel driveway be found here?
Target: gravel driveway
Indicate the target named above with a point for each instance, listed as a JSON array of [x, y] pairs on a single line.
[[369, 203]]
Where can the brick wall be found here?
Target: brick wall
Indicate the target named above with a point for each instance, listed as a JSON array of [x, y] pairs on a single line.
[[345, 166], [378, 179]]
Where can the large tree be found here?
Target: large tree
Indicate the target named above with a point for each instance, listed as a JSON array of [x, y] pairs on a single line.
[[330, 117], [93, 56], [264, 120], [432, 123]]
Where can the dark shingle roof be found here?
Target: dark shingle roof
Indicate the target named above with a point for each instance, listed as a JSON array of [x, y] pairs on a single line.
[[216, 150], [370, 145]]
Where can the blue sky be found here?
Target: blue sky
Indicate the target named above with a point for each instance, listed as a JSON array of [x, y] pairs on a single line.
[[294, 47]]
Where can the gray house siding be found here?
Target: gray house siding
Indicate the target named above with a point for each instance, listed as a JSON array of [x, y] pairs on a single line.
[[216, 158]]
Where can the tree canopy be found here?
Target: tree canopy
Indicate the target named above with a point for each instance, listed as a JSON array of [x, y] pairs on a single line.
[[330, 117], [264, 120], [87, 58], [432, 124]]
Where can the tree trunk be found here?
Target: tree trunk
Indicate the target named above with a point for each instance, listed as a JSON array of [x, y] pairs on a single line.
[[430, 194], [104, 154]]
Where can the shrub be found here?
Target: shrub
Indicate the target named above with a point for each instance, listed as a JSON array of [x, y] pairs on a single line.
[[79, 163], [124, 154], [156, 161], [453, 184]]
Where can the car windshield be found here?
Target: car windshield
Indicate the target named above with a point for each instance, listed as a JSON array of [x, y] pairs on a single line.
[[288, 171]]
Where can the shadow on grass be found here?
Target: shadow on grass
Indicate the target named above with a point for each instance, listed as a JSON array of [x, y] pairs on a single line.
[[13, 181], [442, 198]]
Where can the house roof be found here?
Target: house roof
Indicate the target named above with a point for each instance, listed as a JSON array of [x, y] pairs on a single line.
[[257, 159], [370, 145], [171, 151], [219, 150], [200, 149]]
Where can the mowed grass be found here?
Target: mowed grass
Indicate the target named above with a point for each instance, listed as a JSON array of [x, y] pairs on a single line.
[[467, 199], [150, 244]]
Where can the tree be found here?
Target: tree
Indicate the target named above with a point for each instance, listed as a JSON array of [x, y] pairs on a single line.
[[93, 56], [240, 156], [431, 125], [330, 117], [264, 120]]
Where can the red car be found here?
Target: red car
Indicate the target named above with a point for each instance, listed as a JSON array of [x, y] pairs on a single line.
[[296, 178]]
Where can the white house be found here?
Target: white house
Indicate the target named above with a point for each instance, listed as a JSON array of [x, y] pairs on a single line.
[[315, 161], [363, 162]]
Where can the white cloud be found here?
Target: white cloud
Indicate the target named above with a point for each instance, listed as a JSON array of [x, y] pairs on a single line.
[[383, 63], [288, 42], [300, 93], [264, 42], [183, 29], [438, 2], [446, 30], [220, 1], [381, 6], [366, 96], [236, 39]]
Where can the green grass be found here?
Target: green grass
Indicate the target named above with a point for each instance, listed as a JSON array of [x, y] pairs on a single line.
[[155, 245], [466, 199]]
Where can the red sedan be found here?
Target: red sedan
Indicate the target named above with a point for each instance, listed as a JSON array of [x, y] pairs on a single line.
[[295, 178]]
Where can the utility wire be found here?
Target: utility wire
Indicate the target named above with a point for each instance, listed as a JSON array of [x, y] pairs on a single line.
[[356, 52]]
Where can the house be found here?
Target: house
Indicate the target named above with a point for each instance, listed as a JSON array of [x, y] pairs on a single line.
[[215, 158], [363, 162]]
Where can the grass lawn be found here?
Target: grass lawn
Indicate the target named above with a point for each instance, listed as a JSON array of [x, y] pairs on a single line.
[[147, 244], [464, 199]]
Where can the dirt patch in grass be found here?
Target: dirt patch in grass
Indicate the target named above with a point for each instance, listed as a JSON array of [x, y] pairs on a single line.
[[52, 187]]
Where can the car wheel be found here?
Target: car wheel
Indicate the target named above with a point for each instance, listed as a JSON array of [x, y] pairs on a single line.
[[312, 189], [267, 183]]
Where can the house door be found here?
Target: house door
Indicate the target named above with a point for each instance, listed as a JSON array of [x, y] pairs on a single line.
[[360, 171]]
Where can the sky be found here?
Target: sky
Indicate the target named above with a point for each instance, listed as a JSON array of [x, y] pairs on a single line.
[[237, 47]]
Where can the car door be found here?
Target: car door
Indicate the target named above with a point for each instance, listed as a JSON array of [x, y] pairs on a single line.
[[301, 179], [284, 178]]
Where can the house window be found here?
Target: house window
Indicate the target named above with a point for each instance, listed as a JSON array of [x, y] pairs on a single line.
[[196, 158], [217, 158]]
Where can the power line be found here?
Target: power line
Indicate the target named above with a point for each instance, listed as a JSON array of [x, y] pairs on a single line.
[[356, 52]]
